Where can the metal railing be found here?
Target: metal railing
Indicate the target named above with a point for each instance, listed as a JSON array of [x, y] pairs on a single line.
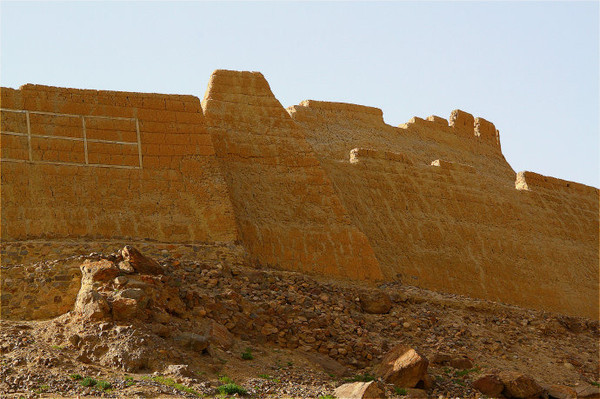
[[83, 139]]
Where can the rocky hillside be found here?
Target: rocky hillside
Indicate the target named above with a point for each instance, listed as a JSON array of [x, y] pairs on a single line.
[[169, 327]]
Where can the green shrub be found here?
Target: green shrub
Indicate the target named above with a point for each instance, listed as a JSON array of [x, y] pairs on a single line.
[[400, 391], [76, 376], [247, 354], [326, 397], [225, 380], [230, 389], [103, 384], [171, 383], [88, 382]]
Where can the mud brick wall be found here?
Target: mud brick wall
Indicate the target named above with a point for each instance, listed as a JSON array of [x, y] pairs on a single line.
[[438, 203], [87, 163], [286, 208]]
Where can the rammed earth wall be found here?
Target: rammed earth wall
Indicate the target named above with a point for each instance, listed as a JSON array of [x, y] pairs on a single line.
[[324, 188], [87, 163]]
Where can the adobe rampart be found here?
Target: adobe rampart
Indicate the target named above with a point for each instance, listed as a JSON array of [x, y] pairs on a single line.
[[324, 188]]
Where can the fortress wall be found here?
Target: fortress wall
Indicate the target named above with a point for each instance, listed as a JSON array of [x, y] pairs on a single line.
[[87, 163], [448, 217], [286, 208], [533, 181]]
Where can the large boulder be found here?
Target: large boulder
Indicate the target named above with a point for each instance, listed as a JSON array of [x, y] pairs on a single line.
[[90, 304], [360, 390], [195, 342], [489, 385], [517, 385], [588, 392], [560, 392], [219, 335], [404, 367], [375, 302]]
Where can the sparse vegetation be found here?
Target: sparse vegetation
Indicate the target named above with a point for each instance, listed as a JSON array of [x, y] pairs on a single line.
[[225, 380], [231, 389], [171, 383], [400, 391], [326, 397], [460, 373], [88, 382], [129, 381], [42, 389], [76, 376], [595, 383], [104, 385], [247, 354], [57, 347], [269, 378]]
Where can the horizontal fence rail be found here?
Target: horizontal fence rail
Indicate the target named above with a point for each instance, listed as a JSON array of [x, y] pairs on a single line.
[[79, 124]]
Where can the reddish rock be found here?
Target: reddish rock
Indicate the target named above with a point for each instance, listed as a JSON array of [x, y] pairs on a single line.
[[360, 390], [588, 392], [124, 308], [195, 342], [518, 385], [139, 262], [375, 302], [220, 335], [489, 385], [102, 270], [560, 392], [403, 367], [416, 393], [461, 363], [91, 305], [442, 359]]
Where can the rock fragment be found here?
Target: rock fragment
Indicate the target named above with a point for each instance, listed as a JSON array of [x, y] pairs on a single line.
[[404, 367], [360, 390]]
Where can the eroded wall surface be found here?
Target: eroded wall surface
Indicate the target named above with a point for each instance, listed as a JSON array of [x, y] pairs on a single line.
[[287, 211], [439, 205], [323, 188], [87, 163]]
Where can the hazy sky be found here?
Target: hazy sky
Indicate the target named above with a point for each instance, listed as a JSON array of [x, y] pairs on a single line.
[[531, 68]]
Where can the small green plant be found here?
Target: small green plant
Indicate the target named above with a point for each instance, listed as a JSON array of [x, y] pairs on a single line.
[[57, 347], [461, 373], [42, 389], [400, 391], [595, 383], [76, 376], [104, 385], [231, 389], [247, 354], [326, 397], [269, 378], [171, 383], [225, 380], [366, 377], [129, 381], [88, 382], [290, 364]]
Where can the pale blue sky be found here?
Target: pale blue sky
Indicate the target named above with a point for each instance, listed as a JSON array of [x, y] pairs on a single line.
[[529, 67]]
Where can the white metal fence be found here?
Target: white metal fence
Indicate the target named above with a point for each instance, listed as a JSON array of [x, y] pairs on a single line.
[[83, 138]]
